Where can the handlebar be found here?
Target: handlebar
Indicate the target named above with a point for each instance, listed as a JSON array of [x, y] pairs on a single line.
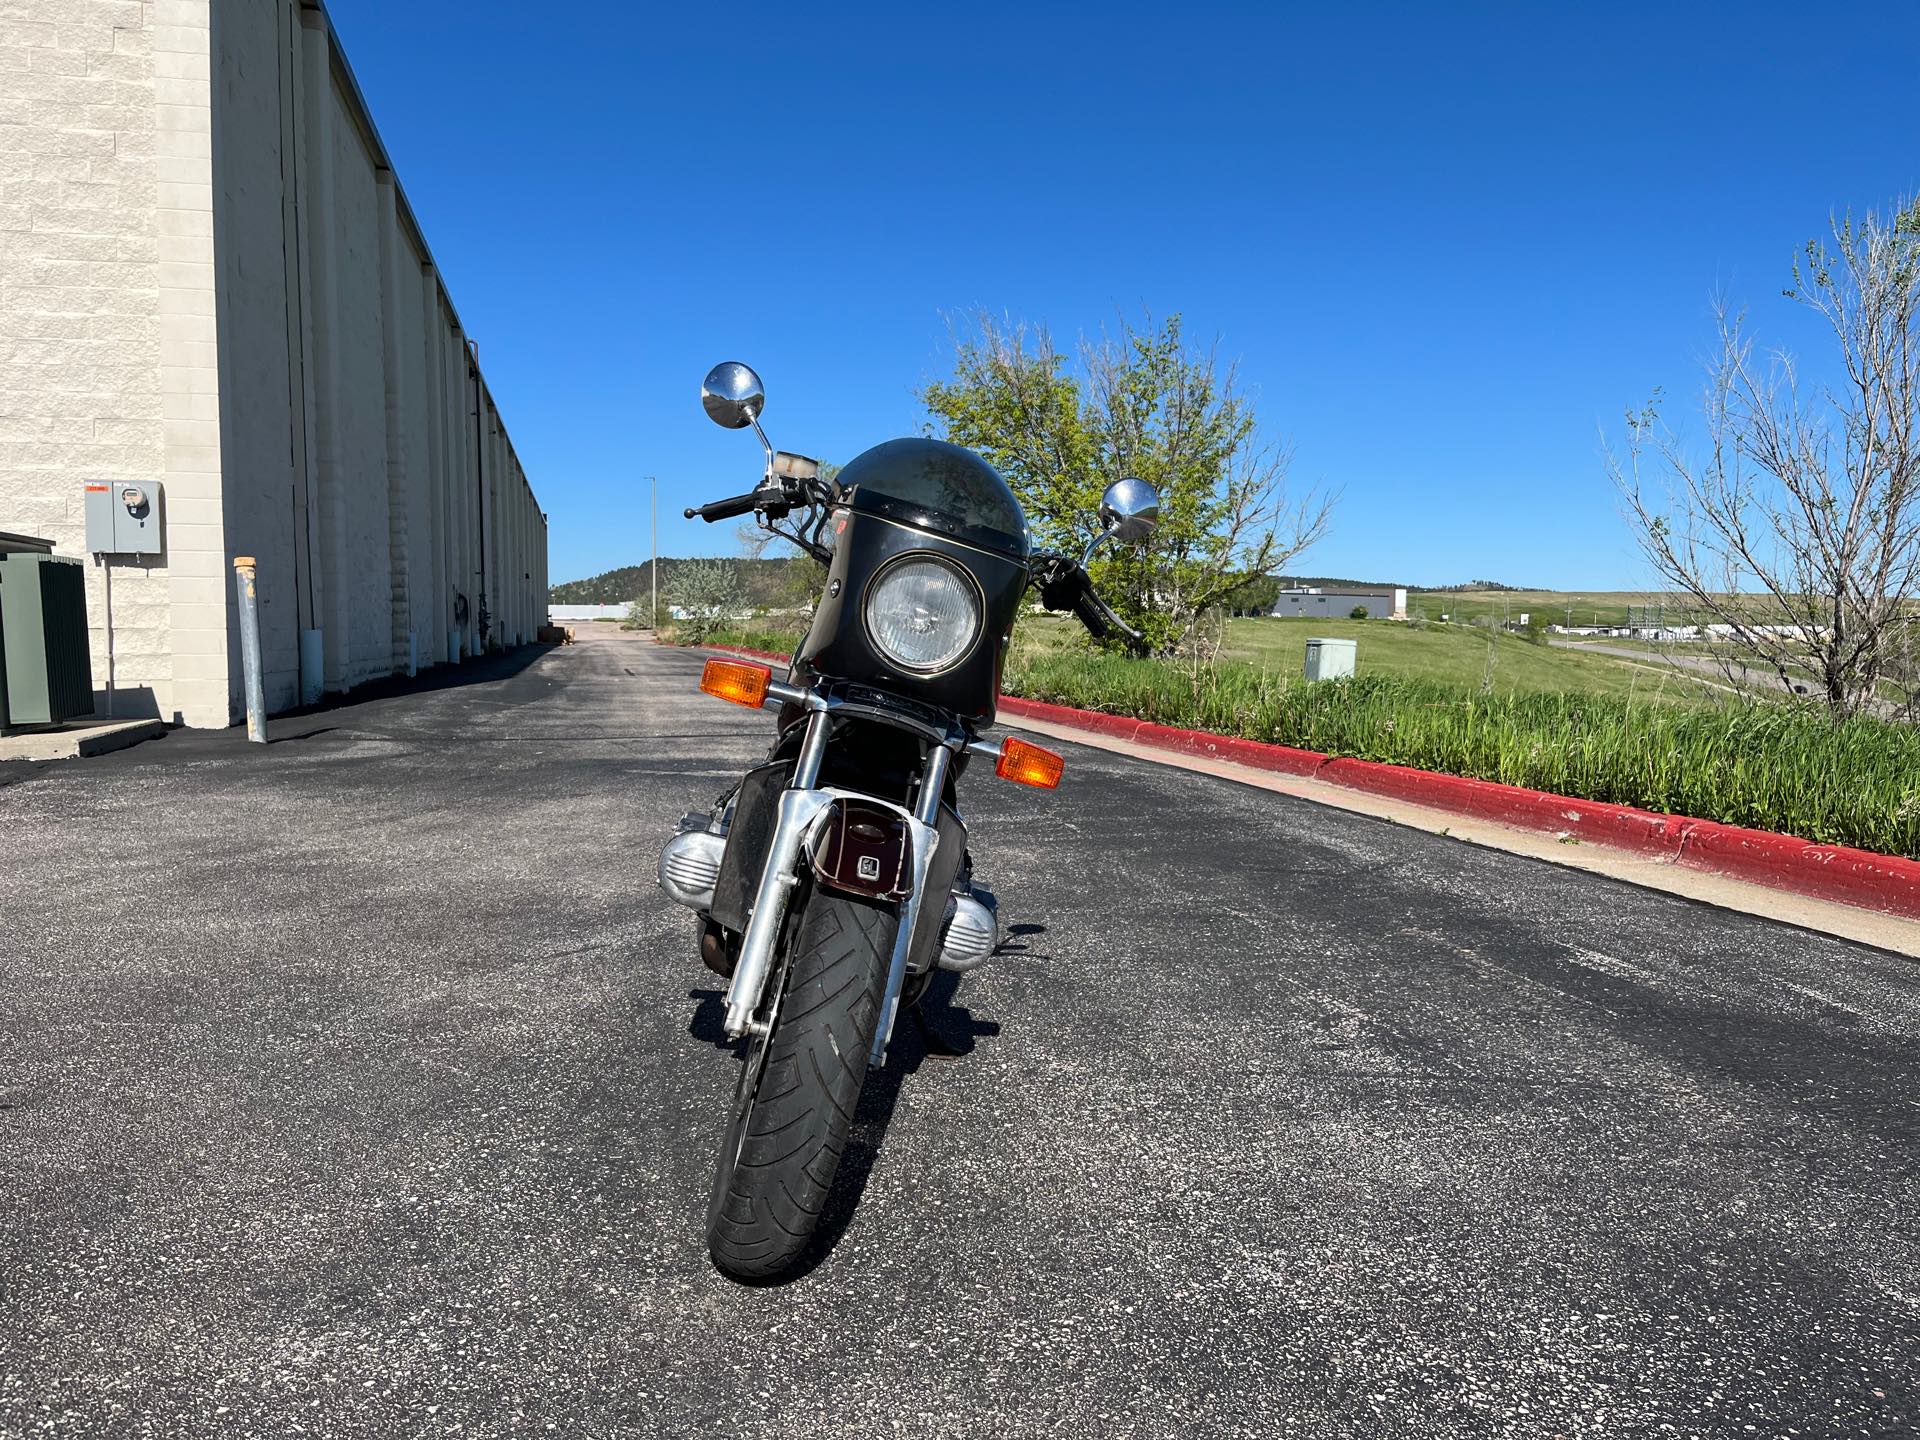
[[770, 500], [1065, 585], [776, 499], [1093, 613]]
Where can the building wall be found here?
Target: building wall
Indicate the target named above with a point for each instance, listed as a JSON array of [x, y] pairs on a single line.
[[1338, 604], [209, 275], [264, 440], [108, 350]]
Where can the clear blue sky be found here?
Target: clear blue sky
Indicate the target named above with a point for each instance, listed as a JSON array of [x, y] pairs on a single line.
[[1448, 243]]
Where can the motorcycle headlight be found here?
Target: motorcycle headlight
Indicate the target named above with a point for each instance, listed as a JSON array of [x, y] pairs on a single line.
[[922, 614]]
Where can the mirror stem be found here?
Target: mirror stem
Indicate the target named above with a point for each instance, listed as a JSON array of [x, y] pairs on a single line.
[[754, 420], [1094, 544]]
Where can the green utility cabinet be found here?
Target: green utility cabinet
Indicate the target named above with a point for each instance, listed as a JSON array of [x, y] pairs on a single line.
[[46, 672]]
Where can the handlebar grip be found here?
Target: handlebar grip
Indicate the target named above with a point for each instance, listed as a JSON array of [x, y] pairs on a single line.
[[1092, 614], [1101, 622], [1065, 585], [725, 509]]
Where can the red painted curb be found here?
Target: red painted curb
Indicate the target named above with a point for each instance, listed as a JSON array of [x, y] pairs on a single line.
[[1839, 873]]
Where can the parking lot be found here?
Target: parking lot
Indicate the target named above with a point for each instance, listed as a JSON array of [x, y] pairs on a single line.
[[364, 1084]]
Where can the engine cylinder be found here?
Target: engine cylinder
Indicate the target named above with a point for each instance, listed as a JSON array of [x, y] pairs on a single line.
[[689, 866], [971, 935]]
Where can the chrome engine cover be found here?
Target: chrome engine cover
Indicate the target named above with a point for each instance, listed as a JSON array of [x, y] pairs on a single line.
[[972, 932], [690, 862]]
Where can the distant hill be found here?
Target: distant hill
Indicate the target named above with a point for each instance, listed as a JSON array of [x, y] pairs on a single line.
[[1339, 582], [1493, 585], [630, 582], [633, 582]]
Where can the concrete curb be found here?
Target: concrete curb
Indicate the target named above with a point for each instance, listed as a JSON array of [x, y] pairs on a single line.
[[1886, 883], [81, 740], [1838, 873]]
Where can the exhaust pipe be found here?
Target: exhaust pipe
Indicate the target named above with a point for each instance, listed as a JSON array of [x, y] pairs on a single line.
[[690, 862]]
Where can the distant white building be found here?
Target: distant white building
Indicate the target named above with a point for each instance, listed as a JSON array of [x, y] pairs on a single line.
[[1383, 603]]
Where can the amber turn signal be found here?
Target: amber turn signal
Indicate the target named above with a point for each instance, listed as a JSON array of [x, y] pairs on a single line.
[[1026, 764], [735, 680]]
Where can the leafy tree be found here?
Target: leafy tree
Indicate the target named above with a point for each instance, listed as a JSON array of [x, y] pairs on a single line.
[[1255, 596], [706, 594], [1795, 534], [1141, 402], [802, 580], [791, 581]]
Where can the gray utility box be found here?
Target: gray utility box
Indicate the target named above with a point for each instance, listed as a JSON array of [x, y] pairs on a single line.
[[123, 517], [46, 672], [1331, 659]]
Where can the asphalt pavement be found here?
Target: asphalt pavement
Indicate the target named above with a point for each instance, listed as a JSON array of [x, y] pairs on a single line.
[[364, 1084]]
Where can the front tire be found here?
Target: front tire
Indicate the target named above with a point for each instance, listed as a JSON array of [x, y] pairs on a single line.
[[798, 1087]]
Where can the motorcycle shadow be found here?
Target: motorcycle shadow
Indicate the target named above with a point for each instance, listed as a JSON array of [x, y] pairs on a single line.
[[936, 1029]]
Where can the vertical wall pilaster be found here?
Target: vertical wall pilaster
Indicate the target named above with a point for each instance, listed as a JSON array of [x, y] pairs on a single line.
[[189, 351], [397, 384], [459, 405], [490, 431], [323, 268], [433, 621]]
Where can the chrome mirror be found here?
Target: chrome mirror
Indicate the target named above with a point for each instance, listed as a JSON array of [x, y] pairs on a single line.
[[1130, 509], [733, 395], [1128, 512]]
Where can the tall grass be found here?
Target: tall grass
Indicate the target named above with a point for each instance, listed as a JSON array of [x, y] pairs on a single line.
[[766, 634], [1771, 766], [1778, 767]]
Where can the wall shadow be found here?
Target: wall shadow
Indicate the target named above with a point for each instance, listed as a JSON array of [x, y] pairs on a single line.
[[130, 702], [502, 665]]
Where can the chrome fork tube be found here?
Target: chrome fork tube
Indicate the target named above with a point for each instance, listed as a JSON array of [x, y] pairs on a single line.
[[813, 750], [799, 807], [933, 784], [926, 810]]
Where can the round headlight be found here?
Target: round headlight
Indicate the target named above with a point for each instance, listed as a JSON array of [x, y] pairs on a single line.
[[922, 614]]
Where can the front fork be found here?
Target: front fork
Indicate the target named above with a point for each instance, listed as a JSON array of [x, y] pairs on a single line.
[[800, 810]]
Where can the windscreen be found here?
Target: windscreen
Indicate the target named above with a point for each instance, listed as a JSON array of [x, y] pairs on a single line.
[[936, 486]]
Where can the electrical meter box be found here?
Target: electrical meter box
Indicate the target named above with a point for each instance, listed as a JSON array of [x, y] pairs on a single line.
[[1331, 659], [123, 517]]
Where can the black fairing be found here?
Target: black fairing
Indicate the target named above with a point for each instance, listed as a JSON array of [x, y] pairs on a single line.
[[926, 497]]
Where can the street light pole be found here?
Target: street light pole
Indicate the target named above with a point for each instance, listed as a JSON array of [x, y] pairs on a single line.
[[653, 565]]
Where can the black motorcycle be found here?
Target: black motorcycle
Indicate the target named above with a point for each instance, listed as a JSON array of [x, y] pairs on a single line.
[[834, 880]]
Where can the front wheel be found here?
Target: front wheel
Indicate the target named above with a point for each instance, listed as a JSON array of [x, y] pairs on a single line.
[[799, 1085]]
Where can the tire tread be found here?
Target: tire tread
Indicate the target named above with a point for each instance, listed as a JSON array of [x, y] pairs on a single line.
[[816, 1064]]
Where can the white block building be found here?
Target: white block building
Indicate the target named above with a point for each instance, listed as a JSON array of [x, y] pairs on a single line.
[[1381, 603], [210, 278]]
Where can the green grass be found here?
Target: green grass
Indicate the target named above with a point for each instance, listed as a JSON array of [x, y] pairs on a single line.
[[1587, 607], [1573, 724], [780, 636], [1772, 767], [1452, 654], [1445, 654]]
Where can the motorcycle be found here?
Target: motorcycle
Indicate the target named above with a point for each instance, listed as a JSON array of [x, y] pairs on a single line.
[[833, 881]]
